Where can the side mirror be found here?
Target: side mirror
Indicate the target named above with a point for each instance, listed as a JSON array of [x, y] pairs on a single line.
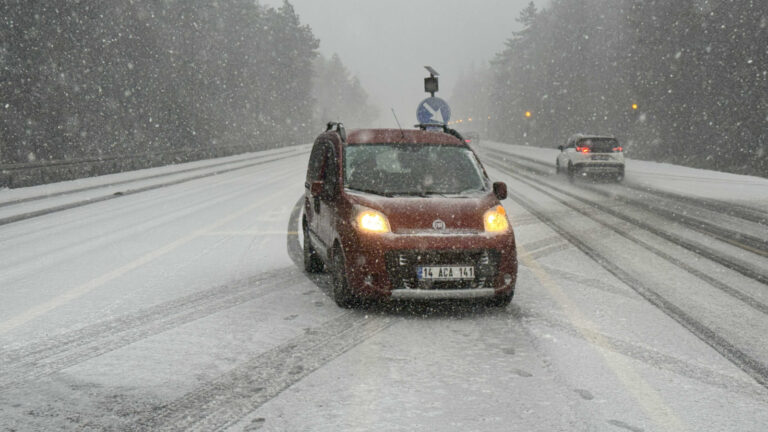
[[500, 190], [560, 147], [316, 188]]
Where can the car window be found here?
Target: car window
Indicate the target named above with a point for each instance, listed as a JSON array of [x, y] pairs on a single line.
[[330, 168], [599, 145], [412, 169], [315, 162]]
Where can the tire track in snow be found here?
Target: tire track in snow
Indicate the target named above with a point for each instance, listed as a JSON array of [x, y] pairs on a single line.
[[647, 355], [731, 209], [705, 252], [52, 355], [752, 366], [749, 243], [230, 397]]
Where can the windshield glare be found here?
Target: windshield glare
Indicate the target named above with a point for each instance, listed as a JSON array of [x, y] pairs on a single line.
[[412, 169]]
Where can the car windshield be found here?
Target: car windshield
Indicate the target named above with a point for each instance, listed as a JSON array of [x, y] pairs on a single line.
[[412, 169], [599, 145]]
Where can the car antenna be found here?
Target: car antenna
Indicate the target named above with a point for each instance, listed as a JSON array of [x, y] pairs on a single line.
[[398, 122]]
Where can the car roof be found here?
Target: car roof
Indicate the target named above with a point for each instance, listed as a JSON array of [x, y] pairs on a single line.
[[406, 136]]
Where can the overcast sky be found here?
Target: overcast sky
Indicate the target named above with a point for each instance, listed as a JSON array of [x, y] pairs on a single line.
[[387, 43]]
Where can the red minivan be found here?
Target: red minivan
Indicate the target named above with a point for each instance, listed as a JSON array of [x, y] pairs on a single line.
[[406, 214]]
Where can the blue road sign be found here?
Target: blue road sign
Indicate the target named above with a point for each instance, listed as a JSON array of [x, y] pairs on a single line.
[[433, 110]]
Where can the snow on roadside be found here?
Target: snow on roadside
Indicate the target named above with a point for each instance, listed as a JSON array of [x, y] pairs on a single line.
[[746, 190], [9, 195]]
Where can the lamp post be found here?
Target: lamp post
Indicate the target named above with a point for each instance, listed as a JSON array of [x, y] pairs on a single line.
[[528, 116]]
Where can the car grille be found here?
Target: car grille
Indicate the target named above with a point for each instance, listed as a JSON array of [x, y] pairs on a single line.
[[401, 268]]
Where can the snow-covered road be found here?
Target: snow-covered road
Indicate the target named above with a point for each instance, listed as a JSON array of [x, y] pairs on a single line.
[[174, 299]]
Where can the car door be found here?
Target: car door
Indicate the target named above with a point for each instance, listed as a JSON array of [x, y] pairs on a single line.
[[328, 198], [569, 153], [562, 157], [312, 203]]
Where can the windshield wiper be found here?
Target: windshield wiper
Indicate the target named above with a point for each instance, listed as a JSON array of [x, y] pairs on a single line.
[[423, 194], [435, 193], [371, 191], [410, 193], [463, 193]]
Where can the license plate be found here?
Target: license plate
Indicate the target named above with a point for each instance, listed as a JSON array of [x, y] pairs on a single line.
[[599, 157], [445, 272]]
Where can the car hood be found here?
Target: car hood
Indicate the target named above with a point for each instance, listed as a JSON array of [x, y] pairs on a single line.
[[419, 214]]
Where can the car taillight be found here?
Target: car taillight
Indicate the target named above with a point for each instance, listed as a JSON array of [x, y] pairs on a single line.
[[582, 149], [618, 149]]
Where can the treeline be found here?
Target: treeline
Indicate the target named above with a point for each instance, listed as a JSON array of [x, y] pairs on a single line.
[[88, 78], [339, 95], [682, 81]]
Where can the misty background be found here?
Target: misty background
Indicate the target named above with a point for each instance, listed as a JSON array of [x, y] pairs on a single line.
[[386, 44], [675, 80]]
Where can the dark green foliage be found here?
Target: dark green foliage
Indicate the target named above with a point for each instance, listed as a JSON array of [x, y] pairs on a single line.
[[696, 69], [83, 78], [339, 96]]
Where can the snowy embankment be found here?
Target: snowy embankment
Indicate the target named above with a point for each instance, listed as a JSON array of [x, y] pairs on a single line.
[[27, 202], [32, 192]]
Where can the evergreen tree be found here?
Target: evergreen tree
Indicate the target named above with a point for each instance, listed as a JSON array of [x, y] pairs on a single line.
[[696, 72], [83, 79]]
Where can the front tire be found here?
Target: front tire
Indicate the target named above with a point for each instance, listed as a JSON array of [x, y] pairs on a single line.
[[342, 294]]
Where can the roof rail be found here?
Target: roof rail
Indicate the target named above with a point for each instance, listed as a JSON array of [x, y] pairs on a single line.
[[443, 126], [339, 129]]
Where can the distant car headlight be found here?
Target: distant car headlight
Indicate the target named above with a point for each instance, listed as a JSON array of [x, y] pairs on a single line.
[[495, 220], [373, 221]]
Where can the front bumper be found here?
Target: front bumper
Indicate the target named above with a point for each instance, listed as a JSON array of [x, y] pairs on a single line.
[[385, 266], [436, 294]]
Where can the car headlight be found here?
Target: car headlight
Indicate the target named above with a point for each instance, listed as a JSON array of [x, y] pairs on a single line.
[[373, 221], [495, 220]]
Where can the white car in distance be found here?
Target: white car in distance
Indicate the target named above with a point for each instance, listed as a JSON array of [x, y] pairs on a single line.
[[591, 155]]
